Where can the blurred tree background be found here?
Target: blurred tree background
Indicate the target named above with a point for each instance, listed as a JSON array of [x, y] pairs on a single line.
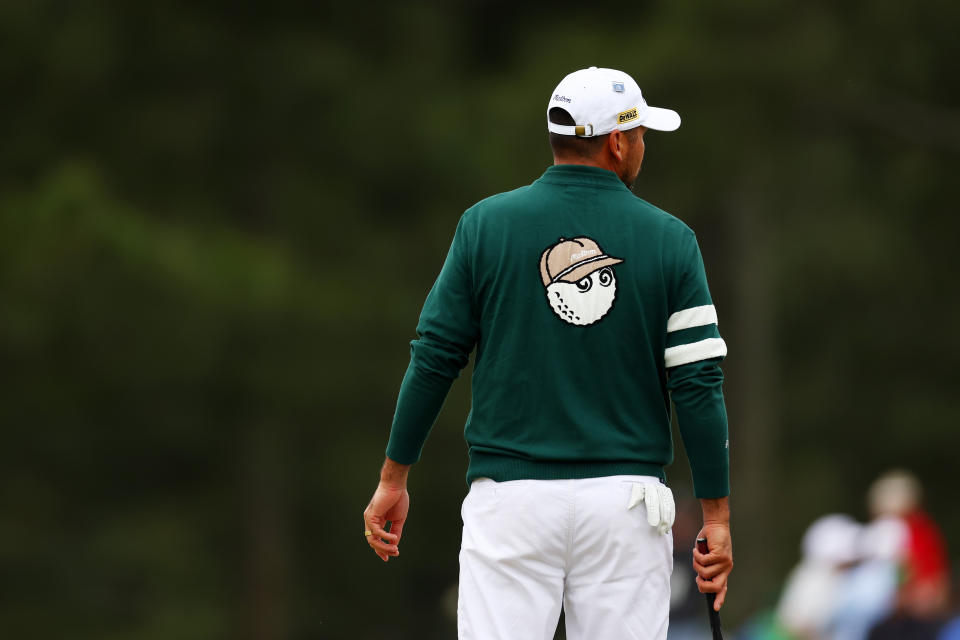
[[218, 222]]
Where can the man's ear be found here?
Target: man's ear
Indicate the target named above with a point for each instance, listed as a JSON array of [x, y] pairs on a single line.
[[615, 144]]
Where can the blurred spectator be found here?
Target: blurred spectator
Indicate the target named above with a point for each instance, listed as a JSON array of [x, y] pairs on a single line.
[[868, 591], [924, 590], [887, 579], [829, 549]]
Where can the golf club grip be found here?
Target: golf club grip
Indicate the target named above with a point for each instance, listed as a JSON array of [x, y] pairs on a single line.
[[711, 598]]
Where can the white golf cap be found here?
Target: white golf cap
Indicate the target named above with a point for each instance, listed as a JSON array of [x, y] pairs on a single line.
[[601, 100]]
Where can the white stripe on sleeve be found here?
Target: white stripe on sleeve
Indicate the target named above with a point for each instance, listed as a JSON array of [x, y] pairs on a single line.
[[694, 352], [692, 317]]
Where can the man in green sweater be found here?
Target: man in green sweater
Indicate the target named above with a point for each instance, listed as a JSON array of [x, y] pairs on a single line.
[[589, 311]]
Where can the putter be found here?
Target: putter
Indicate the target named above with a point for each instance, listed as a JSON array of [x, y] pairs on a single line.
[[711, 597]]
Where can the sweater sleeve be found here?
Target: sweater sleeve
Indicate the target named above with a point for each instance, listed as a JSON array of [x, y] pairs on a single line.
[[692, 358], [447, 330]]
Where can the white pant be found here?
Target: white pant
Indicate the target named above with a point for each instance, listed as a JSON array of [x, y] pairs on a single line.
[[530, 545]]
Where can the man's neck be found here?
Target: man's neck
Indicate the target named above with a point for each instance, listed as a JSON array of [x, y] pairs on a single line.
[[601, 163]]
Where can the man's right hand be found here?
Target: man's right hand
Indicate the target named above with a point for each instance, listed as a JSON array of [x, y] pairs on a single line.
[[390, 503], [713, 568]]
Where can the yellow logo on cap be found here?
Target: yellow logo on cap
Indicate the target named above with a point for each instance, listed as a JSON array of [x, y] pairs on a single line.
[[628, 115]]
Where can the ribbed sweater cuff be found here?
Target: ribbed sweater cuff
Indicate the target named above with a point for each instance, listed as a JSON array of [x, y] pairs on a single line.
[[711, 481]]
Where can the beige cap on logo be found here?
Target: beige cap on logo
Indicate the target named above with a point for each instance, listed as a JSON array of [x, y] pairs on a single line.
[[573, 260]]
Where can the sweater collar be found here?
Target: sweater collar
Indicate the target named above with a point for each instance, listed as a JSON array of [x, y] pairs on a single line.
[[581, 174]]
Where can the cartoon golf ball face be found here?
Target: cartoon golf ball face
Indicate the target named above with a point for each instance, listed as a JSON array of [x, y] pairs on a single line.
[[579, 279]]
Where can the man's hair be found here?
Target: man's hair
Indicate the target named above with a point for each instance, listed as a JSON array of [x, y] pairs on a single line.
[[572, 145]]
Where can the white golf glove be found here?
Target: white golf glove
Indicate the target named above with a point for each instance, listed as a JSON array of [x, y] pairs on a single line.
[[661, 509]]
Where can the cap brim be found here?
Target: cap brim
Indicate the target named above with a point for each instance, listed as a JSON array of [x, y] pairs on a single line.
[[661, 119], [586, 269]]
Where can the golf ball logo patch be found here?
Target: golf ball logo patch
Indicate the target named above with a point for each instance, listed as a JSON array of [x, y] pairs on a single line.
[[579, 279]]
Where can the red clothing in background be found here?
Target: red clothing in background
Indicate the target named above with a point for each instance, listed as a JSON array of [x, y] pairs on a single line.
[[926, 559]]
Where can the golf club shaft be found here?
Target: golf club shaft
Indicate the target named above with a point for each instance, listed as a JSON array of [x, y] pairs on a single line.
[[711, 598]]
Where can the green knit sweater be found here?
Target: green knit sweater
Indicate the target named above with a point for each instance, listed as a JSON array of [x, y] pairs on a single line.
[[589, 310]]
